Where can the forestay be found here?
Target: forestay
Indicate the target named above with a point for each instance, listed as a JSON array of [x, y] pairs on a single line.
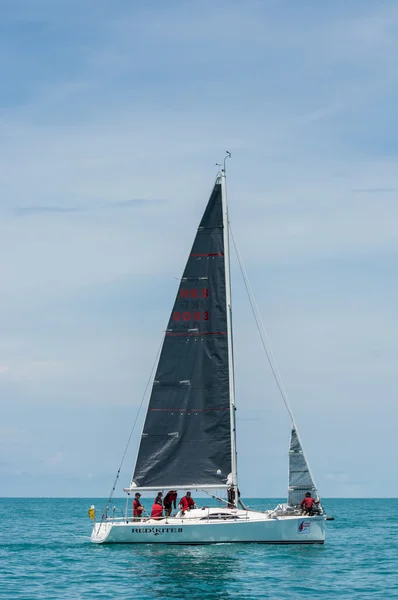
[[186, 438]]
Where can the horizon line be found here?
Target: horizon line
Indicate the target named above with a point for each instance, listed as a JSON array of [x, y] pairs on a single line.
[[244, 497]]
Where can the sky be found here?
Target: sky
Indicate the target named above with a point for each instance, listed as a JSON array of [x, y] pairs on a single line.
[[112, 117]]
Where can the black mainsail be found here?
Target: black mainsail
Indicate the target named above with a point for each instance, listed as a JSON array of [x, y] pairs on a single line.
[[186, 439]]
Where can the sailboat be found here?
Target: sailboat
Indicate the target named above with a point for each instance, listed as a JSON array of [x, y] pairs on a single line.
[[189, 435]]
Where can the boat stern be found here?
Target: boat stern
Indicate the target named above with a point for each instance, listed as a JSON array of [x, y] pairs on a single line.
[[100, 532]]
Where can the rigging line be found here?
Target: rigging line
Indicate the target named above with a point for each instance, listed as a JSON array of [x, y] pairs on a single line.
[[215, 497], [226, 501], [263, 334], [132, 430]]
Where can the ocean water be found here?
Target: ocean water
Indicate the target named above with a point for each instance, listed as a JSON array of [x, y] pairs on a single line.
[[45, 552]]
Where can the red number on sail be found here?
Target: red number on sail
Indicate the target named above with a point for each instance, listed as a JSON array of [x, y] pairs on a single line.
[[187, 316]]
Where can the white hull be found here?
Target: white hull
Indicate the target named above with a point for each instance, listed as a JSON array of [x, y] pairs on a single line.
[[198, 527]]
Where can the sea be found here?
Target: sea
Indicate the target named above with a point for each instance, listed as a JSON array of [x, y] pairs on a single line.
[[45, 552]]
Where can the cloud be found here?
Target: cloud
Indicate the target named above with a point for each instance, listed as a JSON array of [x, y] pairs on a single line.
[[375, 190], [23, 211], [121, 204], [320, 114], [54, 460], [339, 478], [342, 485], [133, 202], [29, 370], [12, 435]]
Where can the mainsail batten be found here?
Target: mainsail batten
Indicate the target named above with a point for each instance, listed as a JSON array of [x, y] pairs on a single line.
[[186, 437]]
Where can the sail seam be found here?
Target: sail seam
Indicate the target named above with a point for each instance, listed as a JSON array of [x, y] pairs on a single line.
[[190, 410], [193, 333], [211, 254]]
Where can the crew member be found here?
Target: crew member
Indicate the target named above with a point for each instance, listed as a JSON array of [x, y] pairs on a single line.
[[137, 506], [169, 500], [187, 503], [307, 504], [157, 508], [231, 496]]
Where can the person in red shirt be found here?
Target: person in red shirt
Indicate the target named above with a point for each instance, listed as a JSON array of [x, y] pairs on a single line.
[[137, 506], [157, 508], [308, 503], [170, 499], [187, 503]]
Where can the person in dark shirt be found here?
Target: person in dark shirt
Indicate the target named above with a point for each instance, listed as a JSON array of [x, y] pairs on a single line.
[[169, 500], [186, 503], [231, 497], [137, 507], [157, 508], [307, 504]]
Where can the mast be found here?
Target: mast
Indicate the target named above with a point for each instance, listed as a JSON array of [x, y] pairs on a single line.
[[234, 471]]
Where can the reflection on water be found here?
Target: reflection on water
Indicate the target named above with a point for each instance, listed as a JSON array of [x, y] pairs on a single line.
[[204, 570]]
